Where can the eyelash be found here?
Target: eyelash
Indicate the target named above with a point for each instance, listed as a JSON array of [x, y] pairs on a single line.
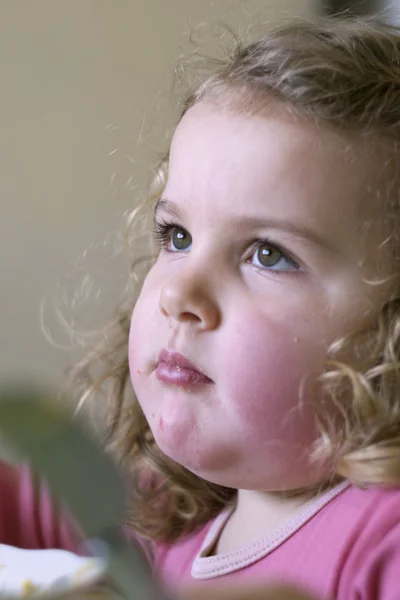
[[162, 231]]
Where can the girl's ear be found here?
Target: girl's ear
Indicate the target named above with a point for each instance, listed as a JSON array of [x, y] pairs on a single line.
[[245, 593]]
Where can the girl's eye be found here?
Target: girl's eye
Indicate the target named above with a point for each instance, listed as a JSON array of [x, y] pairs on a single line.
[[171, 237], [268, 256], [180, 239]]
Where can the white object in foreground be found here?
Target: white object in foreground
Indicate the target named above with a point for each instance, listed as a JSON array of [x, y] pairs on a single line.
[[25, 573]]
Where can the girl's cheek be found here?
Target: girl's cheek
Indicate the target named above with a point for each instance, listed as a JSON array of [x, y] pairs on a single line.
[[264, 370], [134, 368], [137, 343]]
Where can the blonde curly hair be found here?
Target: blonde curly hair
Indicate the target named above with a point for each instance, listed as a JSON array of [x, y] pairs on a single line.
[[339, 72]]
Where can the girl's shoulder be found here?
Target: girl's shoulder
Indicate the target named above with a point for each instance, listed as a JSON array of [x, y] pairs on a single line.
[[377, 505], [369, 519]]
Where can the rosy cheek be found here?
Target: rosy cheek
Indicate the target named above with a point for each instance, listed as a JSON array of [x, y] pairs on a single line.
[[266, 365], [134, 369], [143, 325], [136, 346]]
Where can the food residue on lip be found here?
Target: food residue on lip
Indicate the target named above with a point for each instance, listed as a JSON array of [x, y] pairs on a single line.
[[29, 588]]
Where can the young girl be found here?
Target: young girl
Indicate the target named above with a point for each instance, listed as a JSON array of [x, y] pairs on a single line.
[[263, 438]]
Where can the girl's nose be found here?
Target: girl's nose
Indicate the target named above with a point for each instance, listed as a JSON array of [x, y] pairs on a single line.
[[187, 297]]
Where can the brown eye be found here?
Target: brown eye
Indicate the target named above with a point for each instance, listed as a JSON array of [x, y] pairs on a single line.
[[180, 239], [268, 256]]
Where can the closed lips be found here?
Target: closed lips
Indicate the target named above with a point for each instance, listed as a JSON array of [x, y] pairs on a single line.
[[174, 361]]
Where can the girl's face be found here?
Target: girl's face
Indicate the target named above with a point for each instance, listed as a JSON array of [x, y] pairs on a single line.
[[261, 227]]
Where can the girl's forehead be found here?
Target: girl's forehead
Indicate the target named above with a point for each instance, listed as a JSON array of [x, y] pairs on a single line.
[[215, 151], [225, 163], [215, 136]]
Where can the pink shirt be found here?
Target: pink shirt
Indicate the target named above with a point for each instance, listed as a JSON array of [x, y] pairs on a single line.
[[344, 546]]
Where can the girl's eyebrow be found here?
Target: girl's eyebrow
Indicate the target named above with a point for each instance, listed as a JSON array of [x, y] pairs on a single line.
[[284, 225], [168, 207], [300, 231]]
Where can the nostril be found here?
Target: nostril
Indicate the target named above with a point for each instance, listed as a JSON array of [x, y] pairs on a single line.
[[189, 316], [188, 300]]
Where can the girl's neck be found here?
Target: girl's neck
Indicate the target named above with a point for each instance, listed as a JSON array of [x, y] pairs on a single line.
[[258, 514]]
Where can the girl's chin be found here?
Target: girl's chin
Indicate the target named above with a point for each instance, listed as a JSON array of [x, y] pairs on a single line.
[[214, 464], [222, 466]]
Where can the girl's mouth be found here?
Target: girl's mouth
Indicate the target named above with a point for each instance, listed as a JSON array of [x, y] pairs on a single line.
[[175, 369]]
